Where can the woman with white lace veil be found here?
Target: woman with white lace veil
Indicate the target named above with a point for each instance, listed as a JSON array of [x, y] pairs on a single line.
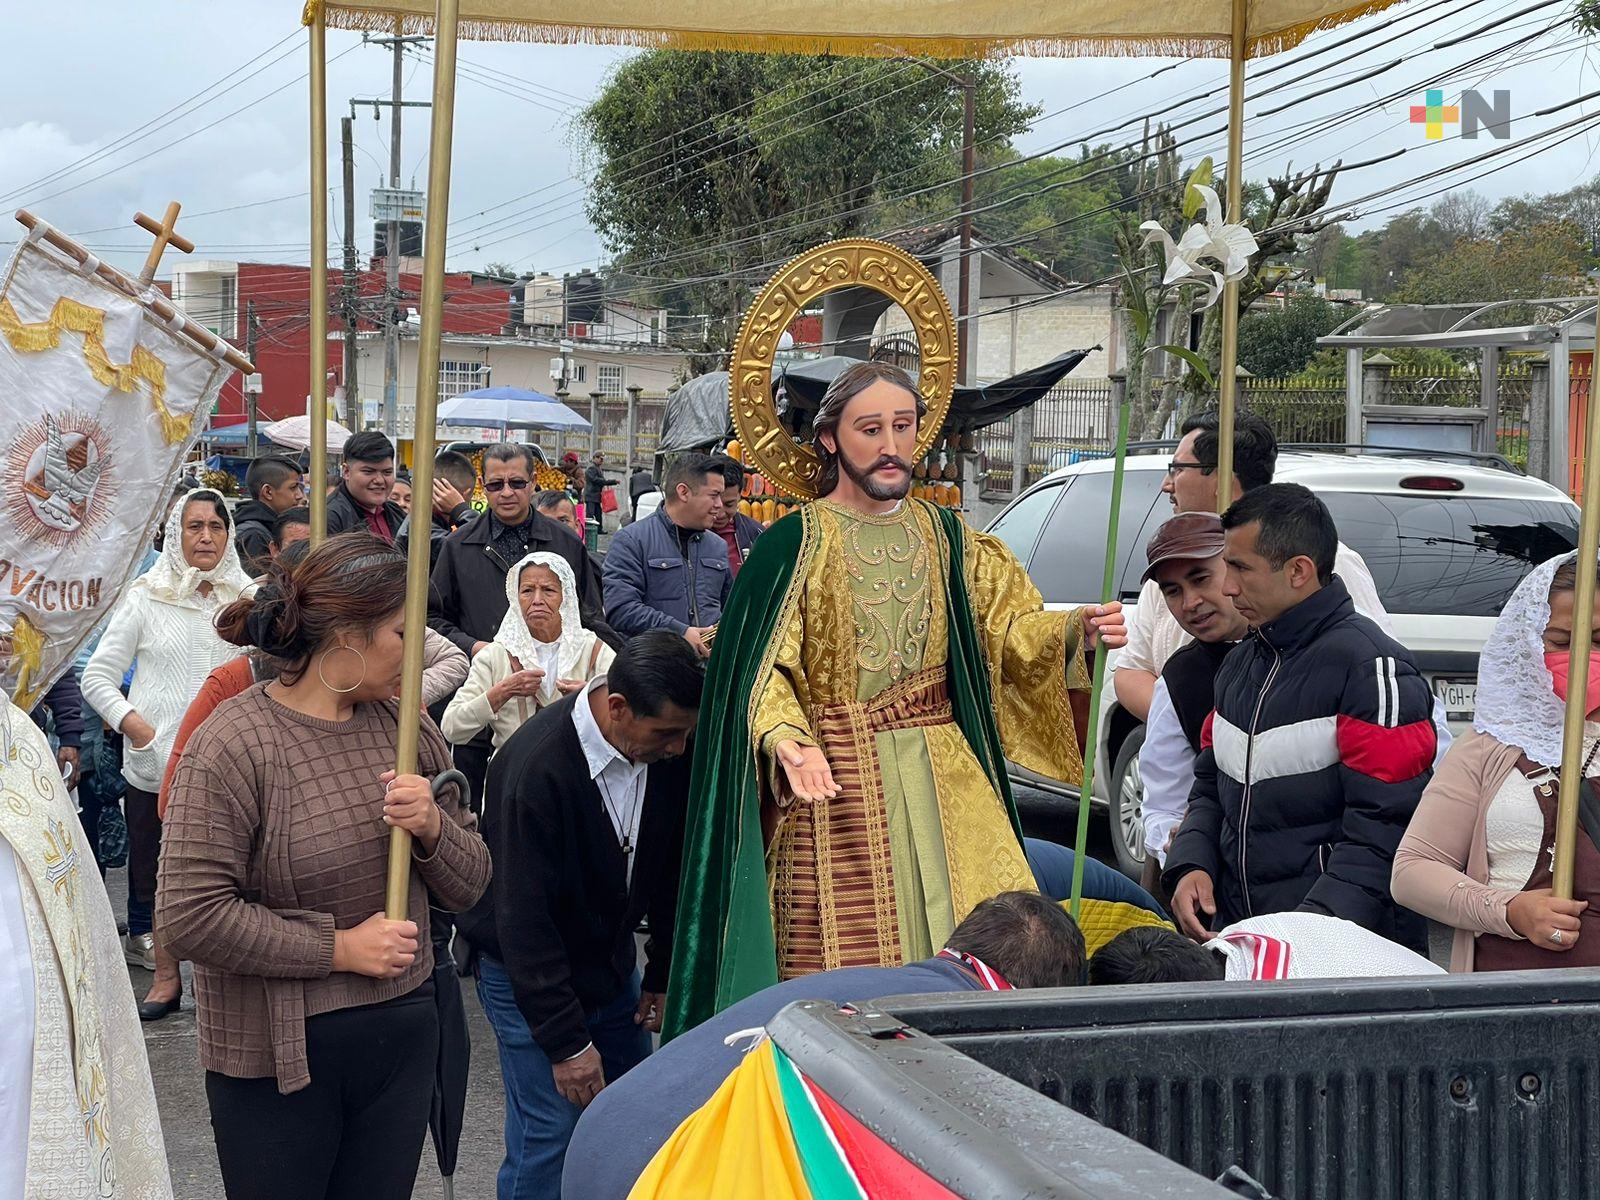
[[163, 628], [1478, 853], [541, 653]]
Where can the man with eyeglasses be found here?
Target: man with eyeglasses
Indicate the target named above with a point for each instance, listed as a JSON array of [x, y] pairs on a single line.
[[467, 596], [1154, 634]]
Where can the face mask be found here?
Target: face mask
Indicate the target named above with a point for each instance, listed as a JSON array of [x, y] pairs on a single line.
[[1560, 664]]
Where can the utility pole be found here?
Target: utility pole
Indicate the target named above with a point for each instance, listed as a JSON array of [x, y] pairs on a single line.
[[391, 255], [252, 404], [352, 400], [969, 327], [966, 318], [391, 258]]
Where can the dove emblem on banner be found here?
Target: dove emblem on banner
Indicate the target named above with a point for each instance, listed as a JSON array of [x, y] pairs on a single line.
[[67, 491]]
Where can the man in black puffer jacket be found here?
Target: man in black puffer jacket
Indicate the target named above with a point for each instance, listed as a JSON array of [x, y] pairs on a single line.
[[1319, 747]]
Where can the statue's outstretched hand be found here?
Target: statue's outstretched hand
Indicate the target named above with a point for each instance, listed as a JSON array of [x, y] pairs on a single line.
[[1105, 625], [810, 777]]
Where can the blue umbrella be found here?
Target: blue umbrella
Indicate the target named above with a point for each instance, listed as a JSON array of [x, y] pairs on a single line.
[[510, 408]]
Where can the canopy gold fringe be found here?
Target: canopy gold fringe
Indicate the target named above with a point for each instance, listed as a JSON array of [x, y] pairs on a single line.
[[378, 19]]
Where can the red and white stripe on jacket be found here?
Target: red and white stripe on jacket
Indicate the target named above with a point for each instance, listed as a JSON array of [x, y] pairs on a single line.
[[1382, 749]]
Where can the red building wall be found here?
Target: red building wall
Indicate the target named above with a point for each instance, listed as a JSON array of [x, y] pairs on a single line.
[[283, 351]]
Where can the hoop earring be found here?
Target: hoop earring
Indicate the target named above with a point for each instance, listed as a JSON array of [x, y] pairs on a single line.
[[323, 679]]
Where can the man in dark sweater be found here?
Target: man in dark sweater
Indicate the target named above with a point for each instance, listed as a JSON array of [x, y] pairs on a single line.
[[1319, 746], [366, 481], [1186, 562], [275, 485], [1024, 939], [585, 820]]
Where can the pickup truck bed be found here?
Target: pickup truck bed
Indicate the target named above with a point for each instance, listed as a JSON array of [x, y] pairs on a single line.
[[1459, 1087]]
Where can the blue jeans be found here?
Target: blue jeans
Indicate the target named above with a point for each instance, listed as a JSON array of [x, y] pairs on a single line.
[[1052, 871], [539, 1120]]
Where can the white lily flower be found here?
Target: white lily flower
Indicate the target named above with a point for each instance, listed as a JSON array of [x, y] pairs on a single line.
[[1213, 241]]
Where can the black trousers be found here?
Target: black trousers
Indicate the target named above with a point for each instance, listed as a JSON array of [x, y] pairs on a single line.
[[144, 855], [355, 1132]]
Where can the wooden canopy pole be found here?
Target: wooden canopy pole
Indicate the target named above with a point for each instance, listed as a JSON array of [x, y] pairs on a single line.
[[1582, 629], [1227, 386], [422, 446], [318, 390]]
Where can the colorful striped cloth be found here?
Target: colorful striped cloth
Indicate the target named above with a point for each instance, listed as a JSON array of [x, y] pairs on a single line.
[[769, 1131]]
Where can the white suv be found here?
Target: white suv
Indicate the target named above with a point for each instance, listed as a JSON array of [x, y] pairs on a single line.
[[1446, 538]]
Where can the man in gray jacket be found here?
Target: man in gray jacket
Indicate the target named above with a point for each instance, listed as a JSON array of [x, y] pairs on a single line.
[[670, 571]]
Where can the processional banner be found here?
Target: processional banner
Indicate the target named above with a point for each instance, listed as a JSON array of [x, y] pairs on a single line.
[[100, 400]]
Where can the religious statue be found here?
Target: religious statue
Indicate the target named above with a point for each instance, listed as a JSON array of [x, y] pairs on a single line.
[[877, 662]]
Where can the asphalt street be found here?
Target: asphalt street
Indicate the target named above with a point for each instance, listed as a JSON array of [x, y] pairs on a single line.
[[180, 1085]]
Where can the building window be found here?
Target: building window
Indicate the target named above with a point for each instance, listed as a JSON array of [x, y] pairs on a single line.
[[609, 381], [456, 378], [580, 372], [228, 307]]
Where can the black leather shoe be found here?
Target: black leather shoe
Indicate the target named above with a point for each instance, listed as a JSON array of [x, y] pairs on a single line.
[[156, 1010]]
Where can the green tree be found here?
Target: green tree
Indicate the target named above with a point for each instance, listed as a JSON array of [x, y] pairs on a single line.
[[709, 168], [1282, 341], [1545, 260]]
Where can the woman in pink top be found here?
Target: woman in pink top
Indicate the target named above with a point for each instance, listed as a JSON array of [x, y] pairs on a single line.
[[1477, 854]]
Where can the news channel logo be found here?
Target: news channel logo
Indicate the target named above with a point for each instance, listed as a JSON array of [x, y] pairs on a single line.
[[1476, 113]]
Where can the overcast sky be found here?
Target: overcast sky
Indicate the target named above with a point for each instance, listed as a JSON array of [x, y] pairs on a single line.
[[80, 75]]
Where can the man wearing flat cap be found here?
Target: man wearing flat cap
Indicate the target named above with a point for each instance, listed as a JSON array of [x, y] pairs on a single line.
[[1185, 557]]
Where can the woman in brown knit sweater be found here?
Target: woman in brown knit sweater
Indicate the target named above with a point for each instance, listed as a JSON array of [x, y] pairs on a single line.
[[318, 1027]]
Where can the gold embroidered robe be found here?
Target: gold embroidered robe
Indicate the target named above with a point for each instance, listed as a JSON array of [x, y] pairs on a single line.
[[882, 873]]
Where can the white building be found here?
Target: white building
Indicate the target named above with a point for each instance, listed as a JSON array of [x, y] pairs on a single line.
[[1027, 314], [469, 362]]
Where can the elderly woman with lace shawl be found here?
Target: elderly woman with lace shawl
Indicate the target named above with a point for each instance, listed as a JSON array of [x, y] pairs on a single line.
[[541, 653], [1477, 855], [164, 625]]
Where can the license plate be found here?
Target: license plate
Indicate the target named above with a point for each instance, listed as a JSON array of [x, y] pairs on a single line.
[[1459, 696]]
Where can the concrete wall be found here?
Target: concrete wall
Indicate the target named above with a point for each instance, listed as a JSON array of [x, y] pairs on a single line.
[[1012, 341]]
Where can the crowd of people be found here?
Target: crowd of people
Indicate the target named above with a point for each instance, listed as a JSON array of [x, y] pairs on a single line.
[[1305, 807]]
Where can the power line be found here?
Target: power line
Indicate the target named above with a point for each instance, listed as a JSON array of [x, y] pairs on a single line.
[[157, 122]]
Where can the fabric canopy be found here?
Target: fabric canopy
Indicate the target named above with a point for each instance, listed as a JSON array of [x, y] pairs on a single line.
[[876, 28], [697, 413]]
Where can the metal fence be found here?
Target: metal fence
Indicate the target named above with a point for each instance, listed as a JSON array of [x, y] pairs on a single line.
[[1075, 420]]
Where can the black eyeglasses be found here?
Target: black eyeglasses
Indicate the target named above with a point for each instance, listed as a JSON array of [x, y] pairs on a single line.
[[1174, 468], [500, 485]]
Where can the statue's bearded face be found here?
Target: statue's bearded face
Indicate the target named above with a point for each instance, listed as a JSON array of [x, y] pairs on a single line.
[[876, 440]]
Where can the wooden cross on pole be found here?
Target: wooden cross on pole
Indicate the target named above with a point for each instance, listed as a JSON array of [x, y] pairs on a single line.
[[166, 234]]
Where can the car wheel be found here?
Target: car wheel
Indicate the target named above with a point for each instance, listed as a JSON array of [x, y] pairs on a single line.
[[1126, 814]]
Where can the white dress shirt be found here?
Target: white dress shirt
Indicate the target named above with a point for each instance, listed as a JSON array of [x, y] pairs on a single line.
[[1166, 765], [619, 781]]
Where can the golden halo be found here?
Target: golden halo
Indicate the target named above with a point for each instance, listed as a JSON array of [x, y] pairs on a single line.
[[851, 262]]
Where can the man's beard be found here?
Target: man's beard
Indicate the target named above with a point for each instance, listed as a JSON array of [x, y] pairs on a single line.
[[868, 482]]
